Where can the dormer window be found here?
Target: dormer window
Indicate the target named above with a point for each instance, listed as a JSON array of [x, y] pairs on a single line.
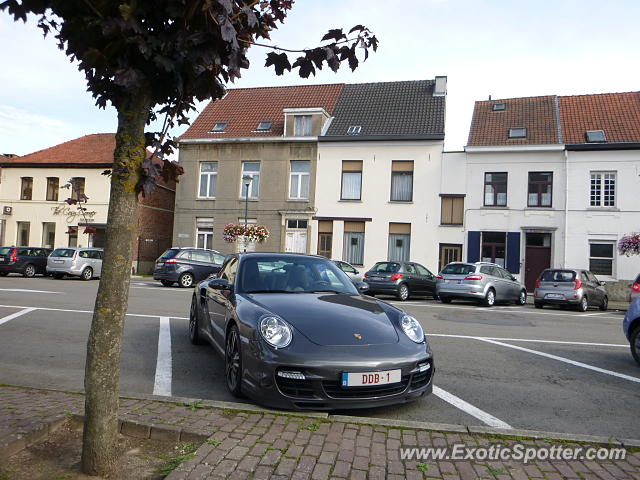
[[518, 132], [354, 130], [499, 107], [302, 126], [219, 127], [264, 126], [595, 136]]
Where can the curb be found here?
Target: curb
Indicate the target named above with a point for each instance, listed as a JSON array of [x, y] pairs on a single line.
[[172, 433]]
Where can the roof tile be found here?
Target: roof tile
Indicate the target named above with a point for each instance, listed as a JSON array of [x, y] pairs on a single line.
[[96, 148]]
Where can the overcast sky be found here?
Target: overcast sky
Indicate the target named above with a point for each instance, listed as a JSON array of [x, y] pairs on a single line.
[[484, 47]]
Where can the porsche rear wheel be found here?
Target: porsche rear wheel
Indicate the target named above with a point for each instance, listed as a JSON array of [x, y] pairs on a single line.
[[233, 362]]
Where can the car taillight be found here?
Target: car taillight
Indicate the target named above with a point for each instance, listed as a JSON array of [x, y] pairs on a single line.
[[577, 284], [538, 283], [366, 275], [635, 287], [473, 277], [395, 276], [439, 277], [171, 260], [13, 257]]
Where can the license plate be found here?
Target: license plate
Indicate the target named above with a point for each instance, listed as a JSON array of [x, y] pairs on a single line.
[[453, 281], [2, 259], [58, 261], [364, 379], [376, 278], [554, 296]]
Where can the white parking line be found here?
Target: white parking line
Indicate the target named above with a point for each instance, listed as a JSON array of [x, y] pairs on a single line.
[[86, 311], [16, 315], [533, 340], [162, 384], [24, 290], [466, 407], [563, 359]]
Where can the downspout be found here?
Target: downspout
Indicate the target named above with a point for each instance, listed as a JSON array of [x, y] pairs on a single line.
[[566, 207]]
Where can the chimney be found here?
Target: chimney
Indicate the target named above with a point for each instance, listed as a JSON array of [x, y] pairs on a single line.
[[440, 90]]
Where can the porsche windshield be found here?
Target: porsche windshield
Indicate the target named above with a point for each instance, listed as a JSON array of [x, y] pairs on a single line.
[[296, 274]]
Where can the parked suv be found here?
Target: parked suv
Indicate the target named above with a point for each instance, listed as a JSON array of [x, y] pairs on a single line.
[[486, 282], [25, 260], [85, 263], [401, 279], [187, 266], [570, 287]]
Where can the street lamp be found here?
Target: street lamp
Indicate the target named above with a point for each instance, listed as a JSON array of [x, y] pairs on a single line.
[[246, 181]]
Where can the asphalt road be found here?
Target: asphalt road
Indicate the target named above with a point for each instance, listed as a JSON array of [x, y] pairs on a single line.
[[507, 366]]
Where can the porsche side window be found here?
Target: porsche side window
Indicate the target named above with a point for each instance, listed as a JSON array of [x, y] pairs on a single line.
[[230, 270]]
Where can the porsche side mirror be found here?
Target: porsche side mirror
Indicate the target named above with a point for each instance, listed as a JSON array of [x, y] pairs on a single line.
[[220, 284], [357, 272], [362, 287]]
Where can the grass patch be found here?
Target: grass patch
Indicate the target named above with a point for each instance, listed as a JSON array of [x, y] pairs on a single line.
[[185, 452], [214, 441], [495, 471], [423, 467], [312, 427], [195, 405]]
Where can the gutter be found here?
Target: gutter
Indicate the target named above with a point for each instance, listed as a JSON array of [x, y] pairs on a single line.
[[603, 146], [514, 148], [355, 138]]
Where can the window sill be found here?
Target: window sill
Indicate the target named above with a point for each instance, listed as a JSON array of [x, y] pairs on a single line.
[[401, 201], [451, 224], [495, 207], [603, 209], [533, 207], [205, 198], [349, 201], [299, 200], [242, 199]]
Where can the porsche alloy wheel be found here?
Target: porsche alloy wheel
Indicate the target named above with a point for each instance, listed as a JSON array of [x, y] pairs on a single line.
[[233, 362]]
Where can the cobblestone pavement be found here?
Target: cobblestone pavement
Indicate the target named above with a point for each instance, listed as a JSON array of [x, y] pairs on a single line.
[[267, 445]]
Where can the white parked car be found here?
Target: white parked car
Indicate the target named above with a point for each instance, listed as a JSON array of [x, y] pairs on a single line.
[[85, 263], [351, 271]]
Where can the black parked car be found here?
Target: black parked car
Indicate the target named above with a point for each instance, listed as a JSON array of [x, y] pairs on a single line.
[[25, 260], [187, 266], [295, 332], [401, 279]]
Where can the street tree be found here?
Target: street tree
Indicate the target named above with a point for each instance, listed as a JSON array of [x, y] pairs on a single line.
[[154, 60]]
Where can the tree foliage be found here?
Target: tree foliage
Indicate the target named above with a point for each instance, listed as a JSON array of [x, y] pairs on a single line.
[[177, 52]]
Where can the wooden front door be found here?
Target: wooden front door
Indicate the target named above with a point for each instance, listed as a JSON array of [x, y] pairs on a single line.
[[537, 257], [324, 244], [449, 252]]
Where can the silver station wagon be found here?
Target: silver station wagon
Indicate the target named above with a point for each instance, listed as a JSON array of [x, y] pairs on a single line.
[[485, 282], [85, 263]]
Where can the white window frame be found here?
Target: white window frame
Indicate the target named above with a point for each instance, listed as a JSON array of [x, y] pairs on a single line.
[[612, 258], [597, 191], [208, 175], [203, 228], [254, 188], [300, 177]]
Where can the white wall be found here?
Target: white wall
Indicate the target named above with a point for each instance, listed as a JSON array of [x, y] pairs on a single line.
[[586, 223], [38, 210], [423, 212]]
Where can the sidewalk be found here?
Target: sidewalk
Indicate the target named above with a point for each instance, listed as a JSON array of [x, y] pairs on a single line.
[[242, 442]]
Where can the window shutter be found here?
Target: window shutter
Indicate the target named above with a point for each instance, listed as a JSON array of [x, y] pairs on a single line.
[[513, 252], [473, 247]]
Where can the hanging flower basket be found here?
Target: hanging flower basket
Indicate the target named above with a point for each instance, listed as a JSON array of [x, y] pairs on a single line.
[[253, 233], [629, 245]]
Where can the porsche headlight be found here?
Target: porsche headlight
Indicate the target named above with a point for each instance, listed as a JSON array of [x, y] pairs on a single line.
[[412, 328], [275, 331]]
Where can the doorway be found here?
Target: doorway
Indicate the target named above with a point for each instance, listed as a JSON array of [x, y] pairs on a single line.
[[537, 257], [449, 252]]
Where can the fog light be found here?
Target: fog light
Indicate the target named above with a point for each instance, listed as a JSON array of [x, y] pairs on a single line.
[[423, 367], [291, 375]]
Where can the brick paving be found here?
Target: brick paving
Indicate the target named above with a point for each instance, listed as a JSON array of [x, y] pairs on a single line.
[[267, 445]]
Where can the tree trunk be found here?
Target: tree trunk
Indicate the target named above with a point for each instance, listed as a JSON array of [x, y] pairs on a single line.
[[102, 369]]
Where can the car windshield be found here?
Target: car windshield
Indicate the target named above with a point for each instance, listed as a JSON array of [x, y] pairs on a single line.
[[295, 274], [459, 269], [5, 250], [385, 267], [63, 252], [558, 276], [172, 252]]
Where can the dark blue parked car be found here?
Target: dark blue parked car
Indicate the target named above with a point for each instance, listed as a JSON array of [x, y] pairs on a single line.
[[631, 327]]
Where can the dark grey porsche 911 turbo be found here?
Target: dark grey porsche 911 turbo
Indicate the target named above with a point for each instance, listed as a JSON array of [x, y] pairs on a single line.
[[296, 333]]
